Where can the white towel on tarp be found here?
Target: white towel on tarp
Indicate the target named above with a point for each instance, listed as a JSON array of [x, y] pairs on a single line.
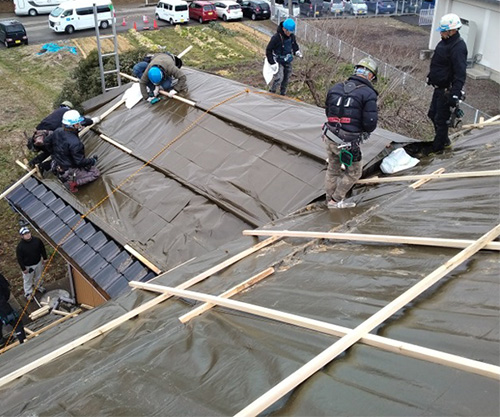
[[397, 160], [267, 71]]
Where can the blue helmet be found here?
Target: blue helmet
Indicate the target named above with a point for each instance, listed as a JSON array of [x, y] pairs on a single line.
[[155, 75], [289, 24]]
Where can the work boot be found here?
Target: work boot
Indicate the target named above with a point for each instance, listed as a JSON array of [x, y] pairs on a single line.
[[72, 186], [332, 204], [41, 289], [28, 296]]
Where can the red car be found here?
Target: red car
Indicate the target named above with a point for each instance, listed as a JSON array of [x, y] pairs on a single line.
[[202, 11]]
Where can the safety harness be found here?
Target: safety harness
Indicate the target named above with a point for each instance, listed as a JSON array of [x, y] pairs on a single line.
[[333, 130]]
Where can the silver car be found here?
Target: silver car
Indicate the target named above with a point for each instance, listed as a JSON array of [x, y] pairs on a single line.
[[336, 7]]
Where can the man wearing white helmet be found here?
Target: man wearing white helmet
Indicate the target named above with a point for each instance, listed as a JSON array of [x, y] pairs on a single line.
[[31, 256], [50, 123], [447, 75], [68, 153]]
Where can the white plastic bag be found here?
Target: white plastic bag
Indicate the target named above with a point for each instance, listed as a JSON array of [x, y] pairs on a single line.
[[267, 71], [398, 160]]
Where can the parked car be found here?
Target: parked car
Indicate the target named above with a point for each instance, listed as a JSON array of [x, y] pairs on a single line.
[[311, 8], [336, 7], [34, 8], [255, 9], [355, 7], [12, 32], [381, 6], [228, 10], [282, 8], [202, 11], [79, 14], [172, 11]]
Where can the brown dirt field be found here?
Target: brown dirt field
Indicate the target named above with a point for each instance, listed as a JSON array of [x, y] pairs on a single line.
[[399, 44]]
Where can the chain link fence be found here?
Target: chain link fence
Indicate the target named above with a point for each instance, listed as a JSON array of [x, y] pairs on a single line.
[[308, 33]]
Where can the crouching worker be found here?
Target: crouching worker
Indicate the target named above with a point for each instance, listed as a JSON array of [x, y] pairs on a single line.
[[7, 314], [69, 163], [163, 73], [45, 128], [351, 109]]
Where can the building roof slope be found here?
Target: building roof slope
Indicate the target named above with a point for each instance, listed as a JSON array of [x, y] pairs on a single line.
[[222, 360]]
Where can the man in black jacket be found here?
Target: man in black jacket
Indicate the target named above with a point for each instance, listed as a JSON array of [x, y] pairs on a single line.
[[50, 123], [31, 256], [447, 76], [7, 313], [351, 109], [279, 53], [68, 153]]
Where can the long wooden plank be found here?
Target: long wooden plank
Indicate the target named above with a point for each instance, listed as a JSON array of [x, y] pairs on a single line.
[[395, 346], [17, 183], [145, 261], [127, 316], [227, 294], [451, 175], [163, 93], [325, 357], [421, 182], [115, 143], [405, 240], [102, 116]]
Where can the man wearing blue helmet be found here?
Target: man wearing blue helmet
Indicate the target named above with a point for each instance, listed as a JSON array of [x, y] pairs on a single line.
[[163, 73], [279, 52], [447, 75]]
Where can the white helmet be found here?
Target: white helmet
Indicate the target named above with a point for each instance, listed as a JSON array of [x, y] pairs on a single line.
[[449, 22], [71, 118]]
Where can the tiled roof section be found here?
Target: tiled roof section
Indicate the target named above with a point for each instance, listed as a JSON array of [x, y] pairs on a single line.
[[99, 257]]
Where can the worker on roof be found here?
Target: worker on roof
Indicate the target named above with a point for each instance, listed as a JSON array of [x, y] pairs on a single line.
[[31, 256], [50, 123], [279, 53], [163, 73], [69, 163], [140, 67], [7, 314], [351, 109], [447, 75]]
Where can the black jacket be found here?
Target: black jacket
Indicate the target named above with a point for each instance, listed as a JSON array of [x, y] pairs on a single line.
[[67, 149], [53, 120], [5, 308], [359, 112], [280, 45], [449, 64], [29, 252]]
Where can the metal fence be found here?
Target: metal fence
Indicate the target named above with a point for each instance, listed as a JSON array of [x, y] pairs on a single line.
[[308, 33]]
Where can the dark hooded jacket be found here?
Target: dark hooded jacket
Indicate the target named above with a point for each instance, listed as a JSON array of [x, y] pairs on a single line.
[[280, 46], [68, 150], [354, 112], [449, 64]]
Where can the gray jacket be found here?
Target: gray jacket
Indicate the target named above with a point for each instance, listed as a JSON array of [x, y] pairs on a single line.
[[167, 64]]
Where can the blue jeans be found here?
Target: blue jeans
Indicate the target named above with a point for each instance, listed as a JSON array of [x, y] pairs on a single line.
[[139, 68]]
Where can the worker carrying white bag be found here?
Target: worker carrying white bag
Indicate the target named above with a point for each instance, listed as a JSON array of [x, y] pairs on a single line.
[[397, 160]]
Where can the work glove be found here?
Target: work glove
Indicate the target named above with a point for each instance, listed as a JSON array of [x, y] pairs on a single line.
[[275, 67], [31, 163], [150, 99], [453, 101], [93, 160], [172, 93], [96, 119], [299, 54], [156, 91]]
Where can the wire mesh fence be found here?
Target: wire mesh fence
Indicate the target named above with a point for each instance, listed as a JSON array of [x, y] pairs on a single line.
[[309, 33]]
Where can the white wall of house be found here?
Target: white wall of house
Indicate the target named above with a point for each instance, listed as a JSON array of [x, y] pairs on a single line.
[[485, 14]]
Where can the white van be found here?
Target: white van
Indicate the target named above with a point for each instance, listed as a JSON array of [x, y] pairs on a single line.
[[79, 14], [172, 11], [34, 8]]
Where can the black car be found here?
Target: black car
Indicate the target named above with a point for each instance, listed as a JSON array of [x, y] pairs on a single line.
[[12, 33], [255, 9]]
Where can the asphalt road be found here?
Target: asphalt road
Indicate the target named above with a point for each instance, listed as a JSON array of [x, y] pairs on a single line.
[[38, 30]]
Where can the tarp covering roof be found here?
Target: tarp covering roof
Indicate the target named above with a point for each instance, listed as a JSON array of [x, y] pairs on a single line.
[[252, 158], [222, 360]]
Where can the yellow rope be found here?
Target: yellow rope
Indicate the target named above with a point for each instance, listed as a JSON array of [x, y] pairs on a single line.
[[117, 188]]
